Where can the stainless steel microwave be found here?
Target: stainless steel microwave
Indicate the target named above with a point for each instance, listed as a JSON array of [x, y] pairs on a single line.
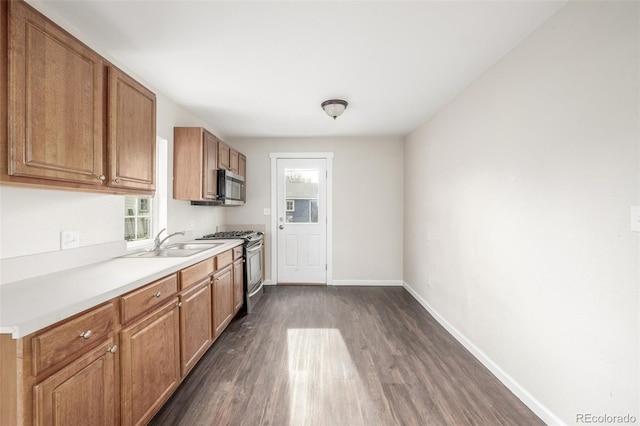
[[230, 188]]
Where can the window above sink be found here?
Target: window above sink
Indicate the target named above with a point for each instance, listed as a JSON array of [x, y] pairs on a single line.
[[144, 216]]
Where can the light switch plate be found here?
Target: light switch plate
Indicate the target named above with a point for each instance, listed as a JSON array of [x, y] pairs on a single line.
[[635, 218], [69, 239]]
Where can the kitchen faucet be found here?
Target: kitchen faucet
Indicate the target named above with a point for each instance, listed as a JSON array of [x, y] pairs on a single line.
[[158, 242]]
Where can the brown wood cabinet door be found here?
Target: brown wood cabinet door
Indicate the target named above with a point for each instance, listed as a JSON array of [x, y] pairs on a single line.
[[56, 95], [242, 166], [83, 393], [210, 167], [238, 285], [137, 302], [195, 324], [188, 151], [149, 363], [222, 299], [132, 133], [60, 344], [224, 153], [233, 161]]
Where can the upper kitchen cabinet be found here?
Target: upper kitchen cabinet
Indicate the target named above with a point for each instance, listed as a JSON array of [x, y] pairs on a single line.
[[73, 120], [242, 166], [56, 98], [195, 163], [197, 156], [229, 158], [224, 156], [132, 133], [234, 157]]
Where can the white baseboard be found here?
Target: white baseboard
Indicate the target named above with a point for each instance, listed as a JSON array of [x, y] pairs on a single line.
[[368, 283], [360, 283], [529, 400]]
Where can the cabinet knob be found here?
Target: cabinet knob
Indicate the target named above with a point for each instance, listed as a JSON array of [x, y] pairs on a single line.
[[157, 294], [116, 180], [101, 177], [179, 304], [85, 334], [112, 349]]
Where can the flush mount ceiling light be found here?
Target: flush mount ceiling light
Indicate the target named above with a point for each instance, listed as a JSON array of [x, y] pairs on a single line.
[[334, 107]]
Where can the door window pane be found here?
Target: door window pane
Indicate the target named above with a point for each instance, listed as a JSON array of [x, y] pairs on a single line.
[[301, 195]]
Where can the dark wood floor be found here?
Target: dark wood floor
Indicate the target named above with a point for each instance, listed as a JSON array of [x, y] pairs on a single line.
[[340, 356]]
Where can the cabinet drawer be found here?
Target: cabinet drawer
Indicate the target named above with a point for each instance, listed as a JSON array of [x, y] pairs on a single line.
[[137, 302], [237, 252], [224, 259], [71, 337], [195, 273]]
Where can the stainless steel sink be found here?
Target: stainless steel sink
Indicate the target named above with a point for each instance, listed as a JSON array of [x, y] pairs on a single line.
[[175, 250], [192, 246], [164, 253]]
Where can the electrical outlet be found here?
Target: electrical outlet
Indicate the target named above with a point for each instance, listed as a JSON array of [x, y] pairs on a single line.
[[267, 211], [69, 239]]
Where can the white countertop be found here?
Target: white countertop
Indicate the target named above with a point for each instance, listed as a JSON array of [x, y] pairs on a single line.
[[32, 304]]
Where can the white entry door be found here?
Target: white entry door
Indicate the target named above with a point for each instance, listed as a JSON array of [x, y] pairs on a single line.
[[302, 220]]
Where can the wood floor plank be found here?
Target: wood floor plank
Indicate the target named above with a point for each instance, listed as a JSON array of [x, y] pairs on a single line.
[[340, 356]]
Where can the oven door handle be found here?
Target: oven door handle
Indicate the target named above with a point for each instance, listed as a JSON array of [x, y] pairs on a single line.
[[256, 291], [256, 248]]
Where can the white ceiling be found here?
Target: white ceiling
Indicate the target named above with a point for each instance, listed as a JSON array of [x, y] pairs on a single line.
[[262, 68]]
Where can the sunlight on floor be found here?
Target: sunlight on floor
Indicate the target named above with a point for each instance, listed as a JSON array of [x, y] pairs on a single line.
[[324, 384]]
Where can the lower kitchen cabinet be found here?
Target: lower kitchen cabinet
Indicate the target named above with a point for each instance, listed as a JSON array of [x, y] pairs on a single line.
[[195, 324], [149, 363], [222, 299], [82, 393], [72, 372]]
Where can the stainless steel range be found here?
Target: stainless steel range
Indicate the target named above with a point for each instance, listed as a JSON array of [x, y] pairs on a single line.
[[253, 243]]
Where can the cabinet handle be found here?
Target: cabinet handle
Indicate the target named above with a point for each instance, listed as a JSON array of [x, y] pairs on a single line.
[[112, 349], [179, 304], [101, 177], [157, 294], [117, 180], [86, 334]]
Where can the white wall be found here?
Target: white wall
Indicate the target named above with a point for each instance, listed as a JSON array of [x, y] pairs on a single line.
[[31, 219], [367, 201], [517, 198]]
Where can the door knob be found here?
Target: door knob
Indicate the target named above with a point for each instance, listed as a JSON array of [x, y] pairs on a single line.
[[281, 226]]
